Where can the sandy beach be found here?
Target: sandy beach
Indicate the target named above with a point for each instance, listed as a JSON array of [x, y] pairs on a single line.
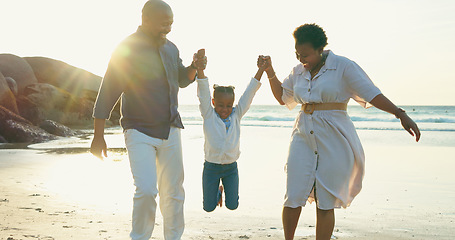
[[57, 190]]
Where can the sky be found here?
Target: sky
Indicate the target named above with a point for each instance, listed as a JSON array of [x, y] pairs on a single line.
[[405, 46]]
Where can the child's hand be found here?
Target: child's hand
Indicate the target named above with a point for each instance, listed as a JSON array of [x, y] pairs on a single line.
[[261, 61], [264, 62]]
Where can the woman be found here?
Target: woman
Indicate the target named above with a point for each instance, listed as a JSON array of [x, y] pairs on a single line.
[[326, 159]]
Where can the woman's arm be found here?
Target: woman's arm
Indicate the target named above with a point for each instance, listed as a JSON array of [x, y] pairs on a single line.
[[383, 103], [275, 84]]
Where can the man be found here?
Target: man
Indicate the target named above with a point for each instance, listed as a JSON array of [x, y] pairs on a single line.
[[146, 72]]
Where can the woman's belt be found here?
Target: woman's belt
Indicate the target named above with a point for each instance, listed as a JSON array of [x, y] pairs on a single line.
[[309, 108]]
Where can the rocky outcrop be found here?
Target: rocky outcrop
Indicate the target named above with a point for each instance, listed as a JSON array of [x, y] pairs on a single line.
[[7, 97], [57, 129], [56, 104], [12, 85], [29, 110], [14, 128], [18, 69], [40, 97], [74, 80]]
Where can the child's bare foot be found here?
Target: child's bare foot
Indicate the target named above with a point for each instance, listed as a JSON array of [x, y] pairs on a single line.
[[220, 191]]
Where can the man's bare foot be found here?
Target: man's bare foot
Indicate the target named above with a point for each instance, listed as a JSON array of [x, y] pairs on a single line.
[[220, 202]]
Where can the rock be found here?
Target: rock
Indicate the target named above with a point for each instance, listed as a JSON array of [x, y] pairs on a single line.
[[12, 85], [6, 114], [7, 98], [29, 110], [59, 105], [3, 140], [16, 129], [48, 96], [57, 128], [18, 69], [78, 82], [74, 80]]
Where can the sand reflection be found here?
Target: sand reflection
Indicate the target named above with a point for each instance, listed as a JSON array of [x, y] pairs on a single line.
[[77, 176]]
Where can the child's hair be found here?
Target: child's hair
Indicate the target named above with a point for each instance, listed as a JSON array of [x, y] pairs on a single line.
[[223, 89]]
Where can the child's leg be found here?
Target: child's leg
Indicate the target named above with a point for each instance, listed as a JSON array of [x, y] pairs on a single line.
[[210, 185], [231, 186], [220, 196]]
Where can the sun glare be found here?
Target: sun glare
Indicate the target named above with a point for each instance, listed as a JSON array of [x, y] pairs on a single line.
[[105, 184]]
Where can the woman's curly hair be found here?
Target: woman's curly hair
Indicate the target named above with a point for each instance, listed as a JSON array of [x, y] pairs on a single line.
[[310, 33]]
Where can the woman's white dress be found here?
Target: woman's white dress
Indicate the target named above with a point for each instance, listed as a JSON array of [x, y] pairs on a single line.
[[325, 151]]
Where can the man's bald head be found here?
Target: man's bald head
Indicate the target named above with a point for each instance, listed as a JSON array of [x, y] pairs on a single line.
[[157, 19], [152, 6]]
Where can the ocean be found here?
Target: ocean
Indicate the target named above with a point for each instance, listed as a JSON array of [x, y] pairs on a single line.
[[436, 123], [428, 118]]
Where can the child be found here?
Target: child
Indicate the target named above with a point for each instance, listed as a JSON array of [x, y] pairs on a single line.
[[222, 135]]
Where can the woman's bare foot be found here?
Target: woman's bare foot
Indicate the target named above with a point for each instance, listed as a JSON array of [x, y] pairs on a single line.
[[220, 202]]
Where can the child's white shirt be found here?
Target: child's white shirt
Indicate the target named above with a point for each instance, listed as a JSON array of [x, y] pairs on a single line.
[[221, 146]]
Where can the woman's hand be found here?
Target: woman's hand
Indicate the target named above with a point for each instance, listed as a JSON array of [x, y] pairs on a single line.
[[264, 62], [409, 125]]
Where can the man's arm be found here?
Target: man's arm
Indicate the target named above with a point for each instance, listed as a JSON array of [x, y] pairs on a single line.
[[99, 147], [199, 61], [197, 65], [191, 72]]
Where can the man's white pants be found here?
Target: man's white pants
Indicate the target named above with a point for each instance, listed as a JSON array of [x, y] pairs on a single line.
[[155, 162]]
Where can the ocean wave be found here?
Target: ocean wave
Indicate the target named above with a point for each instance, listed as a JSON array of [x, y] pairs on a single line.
[[270, 118], [392, 119], [353, 118], [278, 124], [401, 129], [436, 120], [262, 113], [192, 119]]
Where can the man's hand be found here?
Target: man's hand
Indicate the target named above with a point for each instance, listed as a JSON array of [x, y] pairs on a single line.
[[199, 59], [99, 147]]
